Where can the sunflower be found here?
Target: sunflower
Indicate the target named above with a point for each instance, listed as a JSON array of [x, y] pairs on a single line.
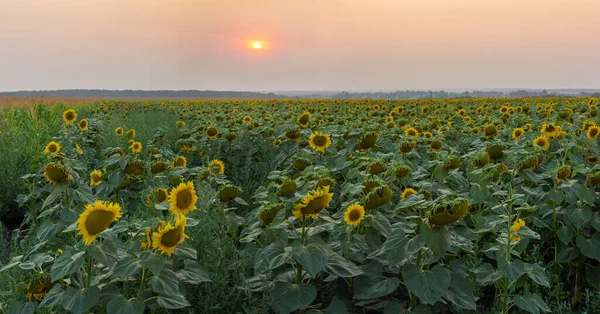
[[563, 173], [217, 167], [447, 212], [303, 119], [267, 215], [97, 218], [162, 195], [52, 148], [83, 125], [591, 159], [436, 145], [408, 192], [183, 199], [69, 116], [136, 147], [179, 124], [411, 132], [378, 196], [293, 135], [549, 129], [179, 161], [131, 134], [148, 241], [55, 173], [228, 193], [277, 142], [247, 119], [369, 140], [592, 132], [542, 141], [212, 132], [490, 131], [37, 289], [313, 203], [319, 141], [168, 237], [402, 171], [517, 133], [79, 150], [287, 188], [119, 131], [516, 226], [95, 177], [354, 214]]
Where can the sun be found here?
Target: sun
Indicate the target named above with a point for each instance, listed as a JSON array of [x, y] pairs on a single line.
[[257, 45]]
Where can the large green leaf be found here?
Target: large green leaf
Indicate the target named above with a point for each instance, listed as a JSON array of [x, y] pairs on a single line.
[[27, 308], [166, 283], [66, 264], [531, 303], [486, 274], [313, 257], [36, 260], [590, 247], [153, 261], [104, 252], [192, 273], [120, 305], [172, 302], [375, 289], [288, 297], [538, 274], [460, 292], [53, 297], [579, 216], [126, 267], [437, 239], [428, 285], [79, 301], [513, 270], [339, 266]]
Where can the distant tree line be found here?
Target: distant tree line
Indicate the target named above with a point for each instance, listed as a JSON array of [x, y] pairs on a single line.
[[167, 94], [408, 94]]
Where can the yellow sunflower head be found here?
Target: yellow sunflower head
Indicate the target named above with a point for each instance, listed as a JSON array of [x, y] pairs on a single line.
[[217, 167], [119, 131], [592, 132], [408, 192], [83, 125], [354, 214], [313, 203], [131, 134], [95, 177], [179, 124], [79, 150], [179, 161], [490, 131], [37, 289], [136, 147], [52, 148], [183, 199], [411, 132], [162, 195], [96, 218], [542, 142], [517, 133], [247, 119], [56, 173], [319, 141], [69, 116], [212, 132], [563, 173], [303, 119], [167, 238]]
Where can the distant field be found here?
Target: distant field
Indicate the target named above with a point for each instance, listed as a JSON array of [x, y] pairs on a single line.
[[49, 101]]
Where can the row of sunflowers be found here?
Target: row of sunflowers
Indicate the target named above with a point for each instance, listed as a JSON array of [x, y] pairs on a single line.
[[418, 206]]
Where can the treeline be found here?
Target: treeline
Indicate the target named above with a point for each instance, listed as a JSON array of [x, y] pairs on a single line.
[[119, 94], [408, 94]]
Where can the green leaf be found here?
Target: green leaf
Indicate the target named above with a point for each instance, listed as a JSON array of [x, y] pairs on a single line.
[[460, 292], [153, 261], [341, 267], [428, 285], [567, 254], [79, 301], [313, 257], [580, 216], [66, 264], [512, 270], [437, 239], [27, 308], [192, 273], [126, 267], [288, 297], [53, 297], [120, 305], [166, 283], [105, 252], [12, 263], [271, 257], [172, 302], [382, 287], [84, 194], [590, 247], [47, 229], [36, 260], [531, 303], [538, 274], [486, 274], [381, 223], [565, 234], [336, 306], [185, 251]]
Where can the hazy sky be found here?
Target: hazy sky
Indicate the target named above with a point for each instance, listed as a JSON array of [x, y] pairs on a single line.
[[309, 44]]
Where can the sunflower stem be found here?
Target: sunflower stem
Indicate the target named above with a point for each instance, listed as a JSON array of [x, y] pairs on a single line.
[[89, 272], [144, 272]]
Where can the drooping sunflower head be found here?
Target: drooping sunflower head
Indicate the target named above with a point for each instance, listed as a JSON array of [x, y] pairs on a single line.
[[96, 218], [591, 159], [136, 147], [212, 132], [267, 215], [287, 188], [159, 167], [83, 124], [369, 140], [408, 192], [300, 163], [495, 151], [563, 173], [183, 199], [379, 196], [529, 162], [376, 168], [161, 194], [119, 131], [69, 116], [217, 167], [406, 146], [179, 161], [447, 212], [228, 193], [293, 135], [323, 182], [303, 119], [95, 177], [37, 289], [517, 133], [319, 141], [131, 134], [135, 168], [167, 238], [52, 148], [402, 171], [354, 214], [313, 203], [436, 145], [593, 178], [549, 129], [55, 173], [542, 142], [490, 131], [497, 171], [451, 162], [481, 160]]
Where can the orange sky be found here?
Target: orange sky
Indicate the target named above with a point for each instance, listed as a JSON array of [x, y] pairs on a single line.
[[311, 44]]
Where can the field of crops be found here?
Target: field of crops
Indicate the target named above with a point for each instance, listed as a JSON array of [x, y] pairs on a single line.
[[307, 206]]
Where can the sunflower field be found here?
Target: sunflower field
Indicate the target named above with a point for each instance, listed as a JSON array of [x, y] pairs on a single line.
[[305, 206]]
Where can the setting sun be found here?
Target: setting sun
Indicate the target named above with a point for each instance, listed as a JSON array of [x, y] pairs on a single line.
[[257, 45]]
